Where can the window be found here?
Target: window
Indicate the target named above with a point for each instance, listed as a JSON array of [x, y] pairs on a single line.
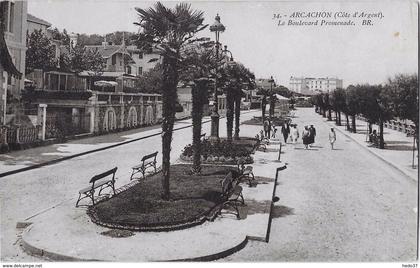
[[140, 71], [114, 59], [140, 55], [11, 16], [7, 10]]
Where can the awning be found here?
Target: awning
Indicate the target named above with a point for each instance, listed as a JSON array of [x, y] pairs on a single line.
[[5, 58], [103, 83]]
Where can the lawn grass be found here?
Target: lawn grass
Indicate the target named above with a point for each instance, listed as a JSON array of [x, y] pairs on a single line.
[[192, 197]]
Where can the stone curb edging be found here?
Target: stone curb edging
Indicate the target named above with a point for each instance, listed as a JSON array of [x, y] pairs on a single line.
[[45, 254], [373, 153]]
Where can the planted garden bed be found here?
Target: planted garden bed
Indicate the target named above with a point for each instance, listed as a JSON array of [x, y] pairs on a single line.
[[224, 152], [257, 120], [193, 200]]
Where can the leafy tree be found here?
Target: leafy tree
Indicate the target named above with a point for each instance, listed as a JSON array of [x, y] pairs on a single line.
[[403, 90], [352, 105], [338, 103], [168, 31], [151, 81], [376, 101], [235, 77], [40, 53]]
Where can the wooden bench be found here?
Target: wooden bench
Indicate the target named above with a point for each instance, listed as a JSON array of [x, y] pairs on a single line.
[[148, 161], [100, 181], [262, 142], [231, 195], [245, 172], [203, 137]]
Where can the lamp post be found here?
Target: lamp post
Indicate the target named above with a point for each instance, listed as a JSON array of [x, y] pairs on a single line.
[[271, 111], [217, 28]]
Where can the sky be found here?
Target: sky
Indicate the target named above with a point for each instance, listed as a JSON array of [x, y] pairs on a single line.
[[355, 53]]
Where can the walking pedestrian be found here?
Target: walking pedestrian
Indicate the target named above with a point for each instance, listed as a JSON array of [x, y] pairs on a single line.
[[305, 137], [285, 130], [312, 134], [294, 133], [274, 130], [267, 129], [332, 137]]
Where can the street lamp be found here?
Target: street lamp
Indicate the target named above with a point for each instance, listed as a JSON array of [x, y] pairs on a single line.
[[271, 111], [217, 28]]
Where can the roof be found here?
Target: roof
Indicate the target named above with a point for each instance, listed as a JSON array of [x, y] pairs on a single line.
[[107, 51], [102, 74], [34, 19]]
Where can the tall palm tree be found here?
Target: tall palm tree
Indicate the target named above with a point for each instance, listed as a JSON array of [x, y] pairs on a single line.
[[168, 31], [235, 78], [198, 65]]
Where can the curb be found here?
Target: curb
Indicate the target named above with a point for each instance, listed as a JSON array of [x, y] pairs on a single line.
[[45, 254], [374, 153]]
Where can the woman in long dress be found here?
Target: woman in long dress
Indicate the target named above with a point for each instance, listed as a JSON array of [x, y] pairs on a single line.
[[306, 137], [332, 137]]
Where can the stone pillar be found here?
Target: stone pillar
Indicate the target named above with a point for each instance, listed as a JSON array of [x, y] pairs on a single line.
[[92, 120], [42, 112], [4, 96]]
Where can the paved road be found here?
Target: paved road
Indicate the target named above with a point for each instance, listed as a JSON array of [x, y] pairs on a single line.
[[341, 205]]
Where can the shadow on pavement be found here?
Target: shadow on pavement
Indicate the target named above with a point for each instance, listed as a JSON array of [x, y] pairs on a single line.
[[282, 211], [398, 147]]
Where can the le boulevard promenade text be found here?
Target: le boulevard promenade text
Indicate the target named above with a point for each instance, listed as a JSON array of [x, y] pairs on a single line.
[[328, 18]]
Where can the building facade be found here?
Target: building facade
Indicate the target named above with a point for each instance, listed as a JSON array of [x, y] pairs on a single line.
[[13, 45], [310, 86]]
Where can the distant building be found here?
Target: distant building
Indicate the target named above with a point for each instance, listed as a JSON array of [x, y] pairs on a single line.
[[142, 60], [36, 24], [116, 57], [310, 86]]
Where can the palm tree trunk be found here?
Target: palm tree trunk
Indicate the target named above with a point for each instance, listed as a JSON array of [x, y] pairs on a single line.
[[263, 106], [197, 115], [237, 116], [229, 113], [169, 97], [329, 115]]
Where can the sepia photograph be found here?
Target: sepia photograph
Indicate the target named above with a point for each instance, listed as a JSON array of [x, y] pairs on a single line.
[[209, 131]]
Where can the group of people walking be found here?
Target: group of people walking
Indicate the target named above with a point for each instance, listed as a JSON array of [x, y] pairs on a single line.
[[291, 131]]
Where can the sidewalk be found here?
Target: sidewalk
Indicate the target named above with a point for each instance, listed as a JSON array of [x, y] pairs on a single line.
[[398, 151], [77, 238]]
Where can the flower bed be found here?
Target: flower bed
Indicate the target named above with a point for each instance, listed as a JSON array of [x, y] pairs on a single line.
[[194, 199], [257, 120], [224, 152]]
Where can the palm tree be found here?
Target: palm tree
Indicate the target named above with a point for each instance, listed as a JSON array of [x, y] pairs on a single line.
[[168, 31], [198, 66], [235, 77]]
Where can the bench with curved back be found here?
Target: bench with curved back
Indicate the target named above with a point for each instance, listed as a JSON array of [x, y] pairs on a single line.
[[148, 161], [101, 182]]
